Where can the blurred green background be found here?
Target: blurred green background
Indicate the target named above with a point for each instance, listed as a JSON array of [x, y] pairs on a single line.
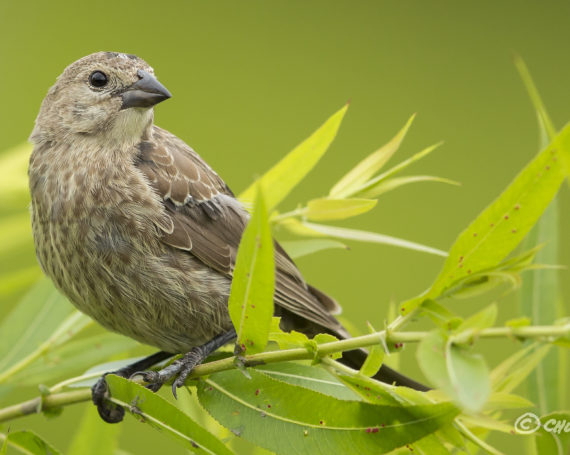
[[250, 80]]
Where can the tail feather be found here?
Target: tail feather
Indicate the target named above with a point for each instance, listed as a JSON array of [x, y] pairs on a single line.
[[356, 358]]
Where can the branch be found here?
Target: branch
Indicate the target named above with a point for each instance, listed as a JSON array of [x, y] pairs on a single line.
[[60, 399]]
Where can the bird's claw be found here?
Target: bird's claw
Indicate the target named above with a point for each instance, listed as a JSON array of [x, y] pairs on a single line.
[[180, 369], [109, 411]]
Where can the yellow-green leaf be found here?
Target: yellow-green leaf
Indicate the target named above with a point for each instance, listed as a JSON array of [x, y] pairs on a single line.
[[396, 182], [298, 248], [504, 223], [376, 181], [287, 173], [337, 209], [306, 228], [251, 296], [369, 165]]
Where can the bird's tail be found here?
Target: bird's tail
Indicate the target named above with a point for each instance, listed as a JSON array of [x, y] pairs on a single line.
[[356, 358]]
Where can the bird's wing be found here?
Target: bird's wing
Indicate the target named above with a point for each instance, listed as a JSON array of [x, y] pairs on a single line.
[[208, 222]]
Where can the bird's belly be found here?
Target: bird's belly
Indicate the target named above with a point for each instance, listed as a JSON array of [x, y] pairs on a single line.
[[133, 284]]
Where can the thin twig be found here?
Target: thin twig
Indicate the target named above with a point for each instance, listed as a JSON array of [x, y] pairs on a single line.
[[57, 400]]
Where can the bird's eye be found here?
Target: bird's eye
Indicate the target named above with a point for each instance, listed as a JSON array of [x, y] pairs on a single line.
[[98, 79]]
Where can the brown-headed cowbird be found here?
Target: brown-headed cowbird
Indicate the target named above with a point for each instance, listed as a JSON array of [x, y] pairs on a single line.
[[138, 231]]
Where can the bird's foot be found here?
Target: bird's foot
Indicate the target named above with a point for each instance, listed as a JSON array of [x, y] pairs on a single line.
[[180, 369], [109, 411]]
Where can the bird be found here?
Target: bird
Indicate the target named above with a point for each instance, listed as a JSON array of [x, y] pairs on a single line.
[[140, 233]]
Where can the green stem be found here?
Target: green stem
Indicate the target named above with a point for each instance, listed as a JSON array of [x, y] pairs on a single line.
[[56, 400], [475, 440]]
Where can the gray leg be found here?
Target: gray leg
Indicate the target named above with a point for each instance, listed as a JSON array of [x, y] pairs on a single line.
[[184, 366]]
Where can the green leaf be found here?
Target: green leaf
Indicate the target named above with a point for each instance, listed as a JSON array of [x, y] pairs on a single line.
[[30, 443], [428, 445], [462, 375], [94, 436], [73, 357], [380, 393], [502, 225], [553, 437], [251, 297], [481, 320], [306, 228], [289, 419], [506, 376], [374, 359], [534, 96], [300, 248], [440, 315], [503, 400], [337, 209], [385, 186], [36, 319], [482, 421], [380, 179], [370, 165], [159, 413], [286, 340], [4, 448], [518, 322], [538, 300], [309, 377], [288, 172]]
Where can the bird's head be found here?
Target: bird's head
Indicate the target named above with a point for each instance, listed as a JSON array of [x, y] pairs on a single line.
[[108, 95]]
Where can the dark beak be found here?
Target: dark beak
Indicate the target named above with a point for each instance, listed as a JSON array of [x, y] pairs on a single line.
[[144, 93]]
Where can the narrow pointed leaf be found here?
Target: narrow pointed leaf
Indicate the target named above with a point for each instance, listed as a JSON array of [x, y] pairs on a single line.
[[29, 443], [481, 320], [4, 448], [391, 184], [540, 289], [94, 436], [300, 248], [372, 237], [251, 297], [440, 315], [512, 371], [38, 315], [378, 180], [504, 223], [369, 165], [73, 358], [503, 400], [288, 172], [309, 377], [159, 413], [337, 209], [534, 96], [290, 419], [374, 359]]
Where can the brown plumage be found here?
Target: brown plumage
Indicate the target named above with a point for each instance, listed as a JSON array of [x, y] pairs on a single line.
[[133, 226]]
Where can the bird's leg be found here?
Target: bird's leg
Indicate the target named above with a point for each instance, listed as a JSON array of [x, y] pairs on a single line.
[[111, 412], [183, 367]]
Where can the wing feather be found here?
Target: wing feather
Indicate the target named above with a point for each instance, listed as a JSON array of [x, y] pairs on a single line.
[[208, 222]]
